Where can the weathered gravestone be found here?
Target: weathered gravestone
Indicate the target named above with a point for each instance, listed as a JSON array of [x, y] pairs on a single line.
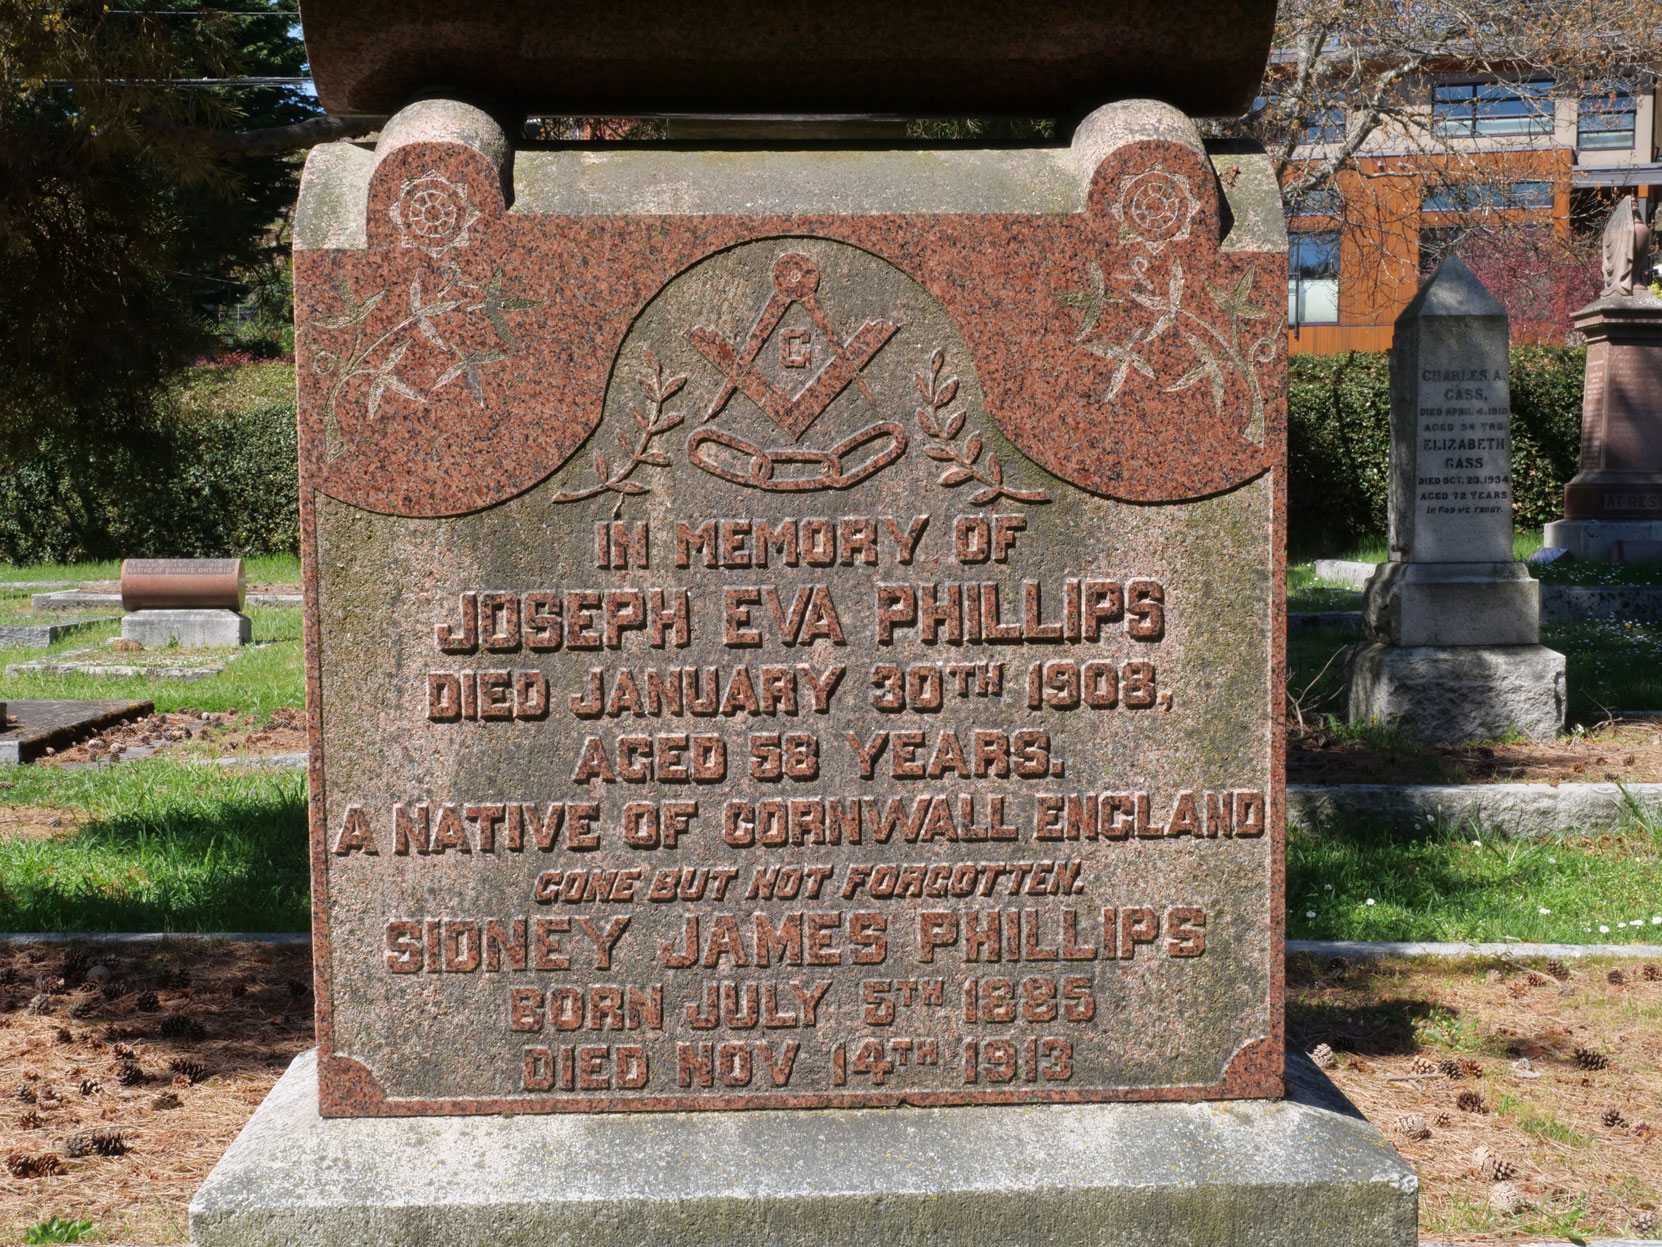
[[1613, 505], [188, 603], [795, 630], [1453, 620]]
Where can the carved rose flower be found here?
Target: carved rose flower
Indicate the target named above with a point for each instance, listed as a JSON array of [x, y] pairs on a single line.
[[433, 213], [1156, 207]]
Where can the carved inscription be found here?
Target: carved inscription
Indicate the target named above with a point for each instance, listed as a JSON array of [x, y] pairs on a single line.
[[888, 791], [1465, 452]]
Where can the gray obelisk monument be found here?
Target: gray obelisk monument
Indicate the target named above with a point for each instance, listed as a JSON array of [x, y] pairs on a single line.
[[1452, 621]]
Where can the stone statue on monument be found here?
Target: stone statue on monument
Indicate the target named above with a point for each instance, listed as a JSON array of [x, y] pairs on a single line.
[[1626, 249]]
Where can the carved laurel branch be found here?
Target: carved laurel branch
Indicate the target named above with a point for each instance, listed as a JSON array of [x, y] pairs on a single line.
[[615, 479], [945, 426], [360, 358]]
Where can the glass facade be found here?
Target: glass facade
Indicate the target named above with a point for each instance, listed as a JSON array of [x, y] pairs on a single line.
[[1607, 120], [1313, 277], [1492, 109]]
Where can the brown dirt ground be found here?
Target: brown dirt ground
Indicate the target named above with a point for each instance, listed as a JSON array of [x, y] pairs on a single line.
[[220, 734], [1379, 1016], [254, 1005], [1614, 752], [1376, 1016], [40, 822]]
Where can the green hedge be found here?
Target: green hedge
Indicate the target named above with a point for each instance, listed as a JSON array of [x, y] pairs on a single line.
[[1339, 435], [213, 476]]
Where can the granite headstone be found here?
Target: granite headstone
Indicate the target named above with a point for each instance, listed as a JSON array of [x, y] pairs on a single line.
[[794, 628], [1452, 619]]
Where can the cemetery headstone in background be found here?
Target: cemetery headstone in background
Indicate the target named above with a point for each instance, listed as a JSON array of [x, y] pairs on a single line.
[[187, 603], [1613, 506], [794, 629], [1453, 620]]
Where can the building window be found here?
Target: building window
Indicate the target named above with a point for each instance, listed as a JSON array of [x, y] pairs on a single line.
[[1492, 110], [1322, 125], [1313, 278], [1607, 120], [1489, 197], [1324, 201]]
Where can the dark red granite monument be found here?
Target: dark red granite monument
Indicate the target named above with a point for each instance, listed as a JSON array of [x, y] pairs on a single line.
[[795, 628], [1613, 506]]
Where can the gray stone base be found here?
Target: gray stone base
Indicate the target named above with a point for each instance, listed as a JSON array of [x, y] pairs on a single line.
[[219, 629], [1416, 604], [1459, 693], [1596, 540], [1304, 1172]]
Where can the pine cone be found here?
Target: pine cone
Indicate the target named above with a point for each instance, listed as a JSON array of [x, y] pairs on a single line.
[[1612, 1119], [1449, 1067], [1323, 1056], [41, 1003], [166, 1100], [91, 1086], [1590, 1060], [1615, 978], [113, 990], [124, 1053], [31, 1121], [1645, 1224], [1493, 976], [1471, 1068], [1558, 969], [1498, 1169], [1423, 1065], [63, 1035], [42, 1166], [25, 1092], [130, 1074], [1507, 1199], [1470, 1102], [177, 1026], [1651, 973], [147, 1003], [109, 1143], [83, 1009], [1411, 1126], [1517, 987], [1443, 1121], [77, 1146], [195, 1071]]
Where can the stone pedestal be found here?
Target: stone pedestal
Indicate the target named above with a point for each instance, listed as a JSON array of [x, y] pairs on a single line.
[[1452, 621], [1457, 693], [195, 629], [1306, 1171]]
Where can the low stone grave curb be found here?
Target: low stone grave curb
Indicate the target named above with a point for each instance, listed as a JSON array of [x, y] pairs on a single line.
[[65, 664], [1347, 573], [40, 635], [1520, 810]]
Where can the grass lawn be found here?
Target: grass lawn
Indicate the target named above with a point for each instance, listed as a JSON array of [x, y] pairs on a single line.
[[162, 844], [1443, 882], [267, 569]]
